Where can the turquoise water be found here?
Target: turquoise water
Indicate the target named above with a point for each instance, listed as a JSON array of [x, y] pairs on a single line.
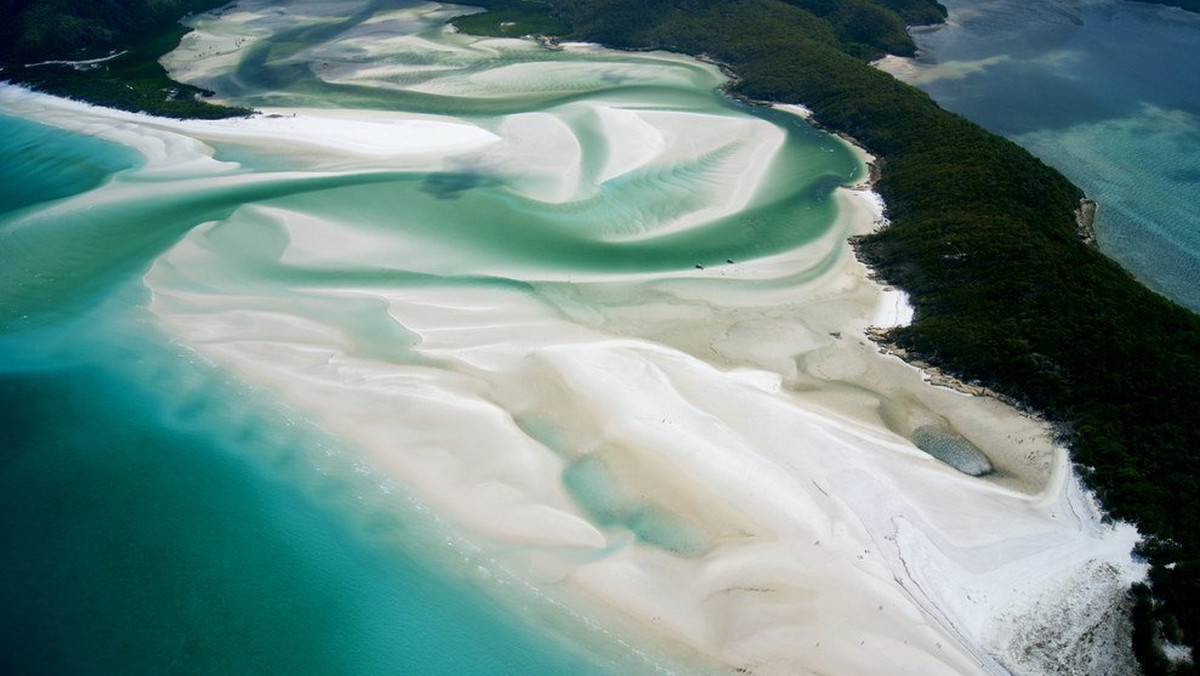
[[41, 164], [592, 485], [159, 515], [1106, 91], [156, 519]]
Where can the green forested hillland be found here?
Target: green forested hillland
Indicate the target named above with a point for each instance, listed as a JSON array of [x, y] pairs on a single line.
[[33, 31], [984, 239], [509, 18]]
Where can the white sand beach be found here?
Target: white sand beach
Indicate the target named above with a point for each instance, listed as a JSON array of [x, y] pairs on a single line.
[[830, 543], [710, 461]]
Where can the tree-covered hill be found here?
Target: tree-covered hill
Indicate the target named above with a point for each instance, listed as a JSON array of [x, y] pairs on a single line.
[[35, 31]]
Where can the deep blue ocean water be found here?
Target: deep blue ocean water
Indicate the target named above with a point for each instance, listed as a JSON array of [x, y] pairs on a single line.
[[1108, 92]]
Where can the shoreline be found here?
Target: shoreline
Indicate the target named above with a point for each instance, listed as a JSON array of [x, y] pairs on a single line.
[[127, 76], [1112, 433], [833, 364]]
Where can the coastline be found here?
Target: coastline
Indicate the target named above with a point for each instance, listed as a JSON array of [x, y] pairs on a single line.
[[1107, 435], [41, 52], [824, 364]]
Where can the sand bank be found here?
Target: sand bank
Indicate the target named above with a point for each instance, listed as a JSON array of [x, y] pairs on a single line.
[[914, 72], [313, 138], [822, 529], [765, 439]]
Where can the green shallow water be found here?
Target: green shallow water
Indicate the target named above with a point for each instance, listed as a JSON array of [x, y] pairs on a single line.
[[157, 515]]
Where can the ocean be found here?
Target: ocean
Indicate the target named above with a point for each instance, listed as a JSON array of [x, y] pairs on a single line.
[[1106, 91]]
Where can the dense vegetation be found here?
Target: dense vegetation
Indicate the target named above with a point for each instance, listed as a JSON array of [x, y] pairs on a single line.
[[34, 31], [509, 18], [984, 238]]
